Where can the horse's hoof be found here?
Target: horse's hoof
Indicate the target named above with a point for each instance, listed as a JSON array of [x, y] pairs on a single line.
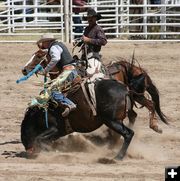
[[119, 157], [158, 130], [106, 161], [31, 154]]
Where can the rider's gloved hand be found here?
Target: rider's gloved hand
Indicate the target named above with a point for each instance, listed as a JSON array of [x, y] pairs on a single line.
[[86, 39], [78, 42]]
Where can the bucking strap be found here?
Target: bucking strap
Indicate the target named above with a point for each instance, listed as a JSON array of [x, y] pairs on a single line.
[[87, 97]]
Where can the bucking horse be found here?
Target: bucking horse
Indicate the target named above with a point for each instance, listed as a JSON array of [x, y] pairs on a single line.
[[135, 77]]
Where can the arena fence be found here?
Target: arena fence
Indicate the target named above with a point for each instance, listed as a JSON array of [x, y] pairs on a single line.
[[123, 21]]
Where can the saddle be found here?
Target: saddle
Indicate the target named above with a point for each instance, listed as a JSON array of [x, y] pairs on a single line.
[[117, 71], [114, 67], [87, 87]]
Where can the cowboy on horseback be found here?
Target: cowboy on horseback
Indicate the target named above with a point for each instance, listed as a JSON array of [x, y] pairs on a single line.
[[93, 38], [60, 57]]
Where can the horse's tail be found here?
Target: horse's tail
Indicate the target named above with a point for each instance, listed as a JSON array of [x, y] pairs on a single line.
[[153, 91]]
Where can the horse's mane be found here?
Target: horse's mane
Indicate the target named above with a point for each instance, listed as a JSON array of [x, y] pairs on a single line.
[[127, 63]]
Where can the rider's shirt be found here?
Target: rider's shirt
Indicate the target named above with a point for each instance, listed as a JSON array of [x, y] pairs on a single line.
[[59, 55], [55, 54], [97, 36]]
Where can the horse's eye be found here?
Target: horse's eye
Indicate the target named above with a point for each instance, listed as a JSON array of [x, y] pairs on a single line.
[[39, 56]]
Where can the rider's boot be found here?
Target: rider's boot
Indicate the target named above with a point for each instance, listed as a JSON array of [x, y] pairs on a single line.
[[68, 109], [69, 105]]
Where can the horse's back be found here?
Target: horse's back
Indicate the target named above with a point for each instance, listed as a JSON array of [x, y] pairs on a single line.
[[110, 87]]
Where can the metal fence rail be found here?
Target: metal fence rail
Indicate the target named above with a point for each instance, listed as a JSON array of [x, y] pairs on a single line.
[[122, 21]]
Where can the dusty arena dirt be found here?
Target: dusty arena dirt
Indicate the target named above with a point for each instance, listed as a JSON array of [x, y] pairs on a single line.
[[75, 157]]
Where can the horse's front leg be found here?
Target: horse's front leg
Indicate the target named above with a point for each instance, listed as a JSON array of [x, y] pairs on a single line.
[[48, 135], [127, 133], [153, 123]]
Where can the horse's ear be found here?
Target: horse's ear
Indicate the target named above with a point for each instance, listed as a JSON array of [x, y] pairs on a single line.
[[132, 61]]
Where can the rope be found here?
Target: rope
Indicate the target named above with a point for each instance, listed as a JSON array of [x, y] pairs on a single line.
[[36, 69]]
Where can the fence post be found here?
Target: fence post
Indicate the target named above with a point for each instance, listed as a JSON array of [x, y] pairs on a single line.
[[145, 18], [71, 21], [163, 19], [66, 20], [24, 13], [9, 18]]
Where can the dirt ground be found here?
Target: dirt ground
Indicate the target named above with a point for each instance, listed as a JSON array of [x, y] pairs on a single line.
[[76, 158]]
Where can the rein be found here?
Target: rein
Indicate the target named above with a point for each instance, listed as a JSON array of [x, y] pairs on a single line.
[[35, 70]]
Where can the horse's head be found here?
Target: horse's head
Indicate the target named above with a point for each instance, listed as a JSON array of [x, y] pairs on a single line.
[[39, 57], [33, 125], [28, 131]]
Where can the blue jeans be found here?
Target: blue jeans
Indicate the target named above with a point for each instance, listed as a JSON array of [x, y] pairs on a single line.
[[59, 97], [155, 1]]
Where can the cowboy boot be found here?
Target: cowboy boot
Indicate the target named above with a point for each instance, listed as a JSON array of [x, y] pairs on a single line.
[[68, 109], [65, 102]]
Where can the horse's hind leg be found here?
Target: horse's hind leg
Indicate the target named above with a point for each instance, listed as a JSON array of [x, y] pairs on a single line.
[[153, 123], [127, 133]]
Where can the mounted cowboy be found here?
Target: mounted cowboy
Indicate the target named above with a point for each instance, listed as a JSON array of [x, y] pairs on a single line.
[[93, 38], [60, 57]]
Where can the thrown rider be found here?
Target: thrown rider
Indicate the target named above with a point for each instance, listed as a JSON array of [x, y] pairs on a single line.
[[60, 57], [93, 38]]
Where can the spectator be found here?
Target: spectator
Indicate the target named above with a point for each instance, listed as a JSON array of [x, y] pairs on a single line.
[[155, 1], [93, 35], [77, 20], [93, 38]]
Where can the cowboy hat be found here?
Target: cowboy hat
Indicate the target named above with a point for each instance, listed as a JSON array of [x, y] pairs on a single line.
[[92, 13], [46, 37]]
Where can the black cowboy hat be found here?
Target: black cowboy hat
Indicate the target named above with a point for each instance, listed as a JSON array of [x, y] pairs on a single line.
[[92, 13]]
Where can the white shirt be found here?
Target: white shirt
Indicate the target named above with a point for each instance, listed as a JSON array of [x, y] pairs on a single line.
[[55, 54]]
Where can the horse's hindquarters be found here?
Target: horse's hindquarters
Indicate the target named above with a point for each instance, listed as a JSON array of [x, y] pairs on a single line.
[[111, 99]]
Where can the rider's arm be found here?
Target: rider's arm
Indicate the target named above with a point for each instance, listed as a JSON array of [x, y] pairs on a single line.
[[55, 54], [100, 38], [96, 36]]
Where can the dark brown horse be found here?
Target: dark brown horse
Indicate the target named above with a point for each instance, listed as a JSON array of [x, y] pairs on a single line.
[[133, 76], [112, 104]]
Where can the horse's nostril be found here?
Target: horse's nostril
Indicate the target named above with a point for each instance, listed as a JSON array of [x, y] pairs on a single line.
[[24, 72]]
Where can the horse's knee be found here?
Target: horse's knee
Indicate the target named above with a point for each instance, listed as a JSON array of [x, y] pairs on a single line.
[[129, 135]]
